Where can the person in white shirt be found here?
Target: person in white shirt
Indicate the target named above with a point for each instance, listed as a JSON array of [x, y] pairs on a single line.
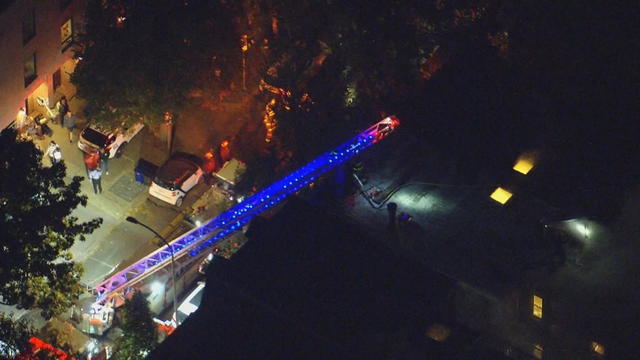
[[96, 175], [21, 119], [54, 153]]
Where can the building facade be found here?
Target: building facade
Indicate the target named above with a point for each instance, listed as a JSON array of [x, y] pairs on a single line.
[[36, 56]]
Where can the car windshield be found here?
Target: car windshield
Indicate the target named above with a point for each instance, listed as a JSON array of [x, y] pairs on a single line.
[[174, 172], [95, 137]]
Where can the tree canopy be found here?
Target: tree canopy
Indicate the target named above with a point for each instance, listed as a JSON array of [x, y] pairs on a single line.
[[139, 59], [375, 48], [139, 335], [337, 73], [14, 335], [15, 344], [37, 269]]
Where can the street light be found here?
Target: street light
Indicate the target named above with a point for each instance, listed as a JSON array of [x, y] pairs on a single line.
[[133, 220], [245, 47]]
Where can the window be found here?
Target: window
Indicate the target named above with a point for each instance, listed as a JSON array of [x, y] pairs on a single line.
[[537, 351], [438, 332], [57, 79], [66, 34], [28, 26], [526, 162], [597, 348], [537, 306], [523, 166], [501, 195], [30, 71]]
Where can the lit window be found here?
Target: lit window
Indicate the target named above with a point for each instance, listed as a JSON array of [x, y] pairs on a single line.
[[66, 34], [523, 166], [501, 195], [537, 306], [537, 351], [438, 332], [597, 348]]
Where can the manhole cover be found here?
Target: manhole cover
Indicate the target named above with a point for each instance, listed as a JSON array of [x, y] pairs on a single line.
[[127, 187]]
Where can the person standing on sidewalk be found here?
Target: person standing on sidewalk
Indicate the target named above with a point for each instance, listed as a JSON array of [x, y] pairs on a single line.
[[22, 121], [63, 107], [54, 153], [96, 176], [104, 160], [69, 123], [91, 161]]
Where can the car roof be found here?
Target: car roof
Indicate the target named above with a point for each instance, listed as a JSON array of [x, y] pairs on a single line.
[[100, 129], [187, 157], [178, 167]]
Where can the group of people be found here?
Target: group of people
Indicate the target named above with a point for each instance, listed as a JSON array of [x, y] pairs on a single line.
[[29, 127], [37, 126], [95, 163]]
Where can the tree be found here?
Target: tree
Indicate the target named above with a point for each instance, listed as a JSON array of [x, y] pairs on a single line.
[[377, 48], [37, 270], [14, 335], [372, 52], [139, 335], [141, 59]]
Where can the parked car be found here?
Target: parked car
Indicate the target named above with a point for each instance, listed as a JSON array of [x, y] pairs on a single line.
[[176, 177], [114, 142]]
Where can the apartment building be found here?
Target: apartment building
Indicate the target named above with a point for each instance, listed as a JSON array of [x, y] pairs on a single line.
[[36, 57]]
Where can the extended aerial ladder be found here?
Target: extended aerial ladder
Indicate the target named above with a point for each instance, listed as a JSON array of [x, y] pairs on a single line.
[[205, 236]]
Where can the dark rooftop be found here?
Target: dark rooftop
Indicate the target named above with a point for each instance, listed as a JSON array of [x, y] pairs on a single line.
[[308, 286]]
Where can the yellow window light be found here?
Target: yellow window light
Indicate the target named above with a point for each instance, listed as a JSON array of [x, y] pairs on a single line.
[[526, 162], [523, 166], [597, 348], [501, 195], [537, 306]]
